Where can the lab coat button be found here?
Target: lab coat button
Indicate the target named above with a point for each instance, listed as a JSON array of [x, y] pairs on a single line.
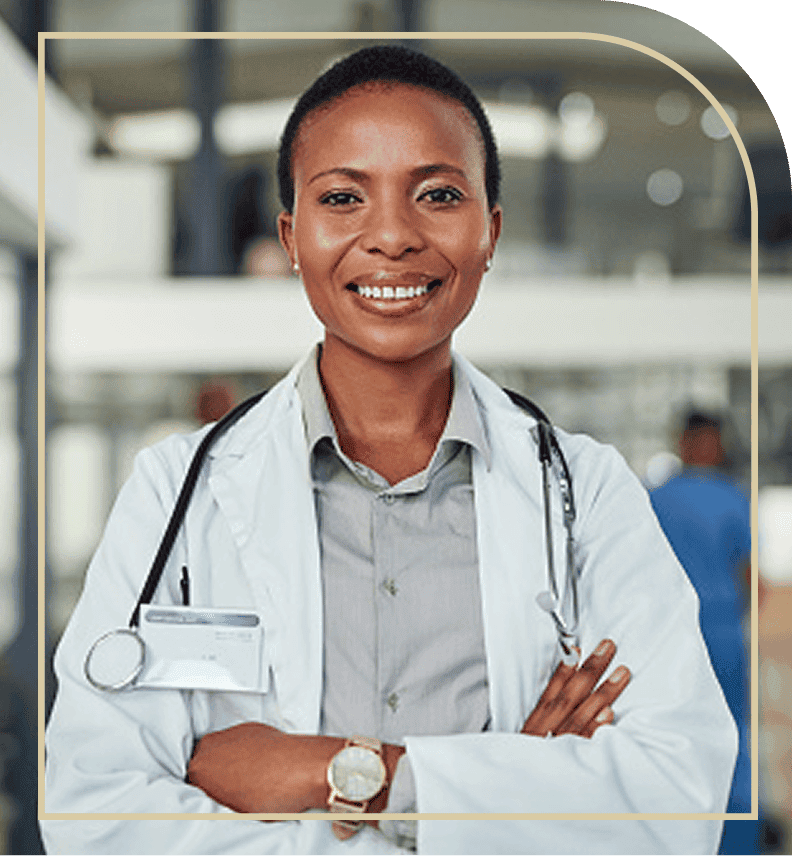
[[390, 586], [393, 702], [388, 499]]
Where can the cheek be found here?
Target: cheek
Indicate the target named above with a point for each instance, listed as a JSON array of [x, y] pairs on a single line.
[[318, 237], [467, 240]]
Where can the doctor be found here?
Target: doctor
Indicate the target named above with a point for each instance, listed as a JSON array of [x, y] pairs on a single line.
[[381, 511]]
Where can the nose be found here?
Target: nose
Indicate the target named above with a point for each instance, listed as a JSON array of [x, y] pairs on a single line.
[[391, 230]]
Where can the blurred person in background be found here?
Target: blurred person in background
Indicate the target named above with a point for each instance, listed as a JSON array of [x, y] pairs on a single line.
[[381, 509], [706, 518]]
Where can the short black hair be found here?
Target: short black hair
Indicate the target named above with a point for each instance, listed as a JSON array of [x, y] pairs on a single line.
[[390, 63], [697, 419]]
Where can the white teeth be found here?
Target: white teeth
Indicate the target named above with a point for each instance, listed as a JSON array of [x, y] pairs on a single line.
[[391, 292]]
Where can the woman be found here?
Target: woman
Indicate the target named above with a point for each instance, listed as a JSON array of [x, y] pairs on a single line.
[[381, 510]]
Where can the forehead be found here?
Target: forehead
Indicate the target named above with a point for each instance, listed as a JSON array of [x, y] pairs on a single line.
[[409, 117]]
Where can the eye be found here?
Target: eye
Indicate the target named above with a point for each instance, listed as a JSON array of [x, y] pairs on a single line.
[[442, 195], [340, 198]]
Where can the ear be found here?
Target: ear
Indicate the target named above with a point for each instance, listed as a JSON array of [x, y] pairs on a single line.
[[286, 235], [496, 223]]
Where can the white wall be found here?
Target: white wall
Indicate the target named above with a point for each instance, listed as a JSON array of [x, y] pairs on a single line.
[[220, 325]]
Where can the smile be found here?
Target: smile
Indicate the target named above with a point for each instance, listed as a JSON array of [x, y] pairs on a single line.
[[393, 291]]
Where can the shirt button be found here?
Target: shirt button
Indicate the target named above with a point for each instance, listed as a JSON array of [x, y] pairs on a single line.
[[388, 499], [393, 702], [390, 586]]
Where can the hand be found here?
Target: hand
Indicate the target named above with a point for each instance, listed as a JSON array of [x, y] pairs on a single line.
[[253, 767], [571, 705]]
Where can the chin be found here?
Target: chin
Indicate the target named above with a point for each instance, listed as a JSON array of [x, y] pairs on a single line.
[[401, 353]]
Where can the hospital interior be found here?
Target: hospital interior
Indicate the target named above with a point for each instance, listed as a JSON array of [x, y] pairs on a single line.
[[619, 296]]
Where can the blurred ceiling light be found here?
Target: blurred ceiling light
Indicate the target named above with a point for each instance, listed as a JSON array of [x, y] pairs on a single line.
[[673, 107], [576, 108], [252, 127], [664, 187], [713, 126], [164, 135], [521, 130], [582, 131]]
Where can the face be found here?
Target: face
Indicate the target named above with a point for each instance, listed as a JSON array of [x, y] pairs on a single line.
[[391, 227]]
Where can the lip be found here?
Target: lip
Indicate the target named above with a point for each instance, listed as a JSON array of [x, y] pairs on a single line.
[[405, 279]]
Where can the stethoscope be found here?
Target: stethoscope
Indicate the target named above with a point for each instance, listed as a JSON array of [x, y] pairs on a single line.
[[115, 661]]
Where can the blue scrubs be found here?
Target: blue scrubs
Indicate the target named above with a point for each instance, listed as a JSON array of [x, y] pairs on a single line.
[[706, 519]]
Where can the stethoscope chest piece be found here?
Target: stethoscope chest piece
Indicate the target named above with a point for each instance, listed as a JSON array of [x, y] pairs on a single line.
[[115, 660]]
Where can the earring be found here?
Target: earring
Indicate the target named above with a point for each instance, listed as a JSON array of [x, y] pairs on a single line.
[[296, 269], [488, 265]]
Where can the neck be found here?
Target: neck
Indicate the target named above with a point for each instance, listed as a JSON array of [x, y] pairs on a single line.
[[388, 415]]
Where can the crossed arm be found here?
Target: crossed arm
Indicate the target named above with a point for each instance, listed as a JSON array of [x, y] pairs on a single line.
[[254, 767]]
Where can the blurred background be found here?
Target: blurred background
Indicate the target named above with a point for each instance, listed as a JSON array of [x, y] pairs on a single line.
[[618, 298]]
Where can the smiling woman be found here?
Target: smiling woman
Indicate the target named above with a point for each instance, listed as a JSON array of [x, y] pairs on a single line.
[[385, 513]]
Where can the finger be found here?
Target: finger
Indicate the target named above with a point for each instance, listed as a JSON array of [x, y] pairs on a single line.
[[554, 686], [604, 718], [578, 687], [589, 708]]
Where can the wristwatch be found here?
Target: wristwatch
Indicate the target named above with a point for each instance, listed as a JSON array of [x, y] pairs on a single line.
[[355, 775]]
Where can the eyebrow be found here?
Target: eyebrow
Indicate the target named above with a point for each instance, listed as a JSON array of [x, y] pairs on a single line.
[[418, 172]]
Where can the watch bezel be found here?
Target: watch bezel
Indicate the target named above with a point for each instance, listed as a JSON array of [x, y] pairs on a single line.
[[339, 760]]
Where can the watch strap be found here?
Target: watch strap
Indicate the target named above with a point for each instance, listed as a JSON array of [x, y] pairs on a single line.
[[343, 829]]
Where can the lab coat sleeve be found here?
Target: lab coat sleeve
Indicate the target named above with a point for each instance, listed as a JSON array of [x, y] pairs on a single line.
[[672, 747], [127, 752]]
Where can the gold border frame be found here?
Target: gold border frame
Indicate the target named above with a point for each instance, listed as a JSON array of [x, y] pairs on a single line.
[[599, 37]]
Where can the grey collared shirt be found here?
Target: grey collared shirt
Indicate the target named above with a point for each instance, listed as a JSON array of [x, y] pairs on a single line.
[[403, 630]]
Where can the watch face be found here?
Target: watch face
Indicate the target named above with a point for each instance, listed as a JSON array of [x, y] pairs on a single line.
[[357, 773]]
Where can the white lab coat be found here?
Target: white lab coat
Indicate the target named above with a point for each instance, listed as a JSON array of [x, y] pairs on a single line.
[[250, 539]]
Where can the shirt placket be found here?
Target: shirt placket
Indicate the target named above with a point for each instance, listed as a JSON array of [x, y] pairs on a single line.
[[386, 599]]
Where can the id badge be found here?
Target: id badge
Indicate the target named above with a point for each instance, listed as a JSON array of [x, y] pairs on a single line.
[[202, 648]]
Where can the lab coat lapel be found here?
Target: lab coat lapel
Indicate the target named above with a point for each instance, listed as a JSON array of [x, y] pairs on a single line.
[[262, 485], [519, 637]]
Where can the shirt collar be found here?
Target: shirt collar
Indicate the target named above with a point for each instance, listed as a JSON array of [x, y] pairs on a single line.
[[464, 424]]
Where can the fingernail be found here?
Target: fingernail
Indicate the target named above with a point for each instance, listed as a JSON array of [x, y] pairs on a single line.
[[604, 715], [602, 648], [618, 675]]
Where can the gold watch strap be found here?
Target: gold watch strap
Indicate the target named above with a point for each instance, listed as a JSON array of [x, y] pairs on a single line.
[[362, 741], [343, 829]]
